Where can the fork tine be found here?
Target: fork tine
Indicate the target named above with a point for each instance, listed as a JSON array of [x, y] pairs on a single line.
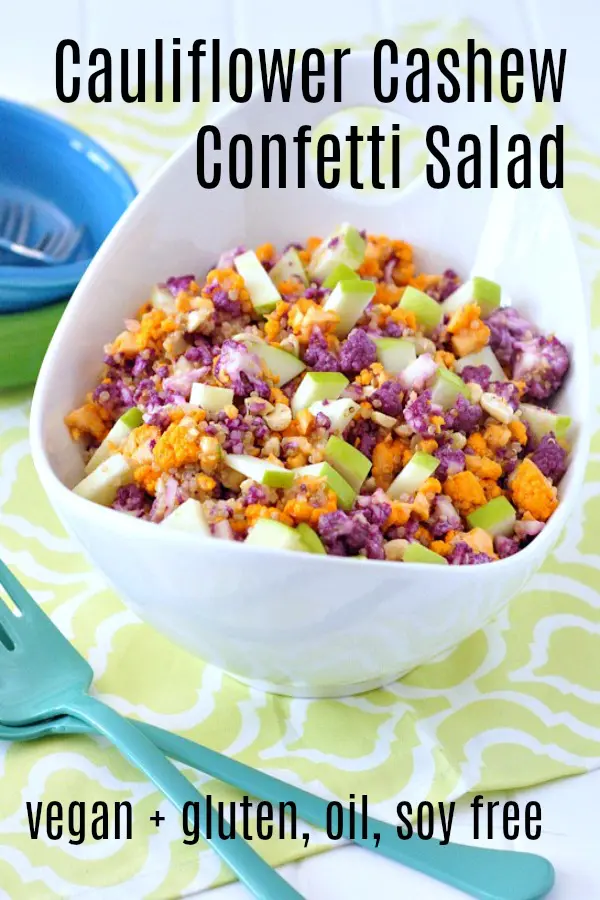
[[11, 222], [26, 214], [17, 593], [63, 243]]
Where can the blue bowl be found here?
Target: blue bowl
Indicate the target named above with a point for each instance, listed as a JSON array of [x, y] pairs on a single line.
[[68, 179]]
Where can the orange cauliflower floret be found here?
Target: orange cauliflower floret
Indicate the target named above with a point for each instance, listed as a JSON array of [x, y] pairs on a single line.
[[477, 443], [257, 511], [147, 476], [483, 467], [445, 358], [388, 456], [178, 446], [304, 314], [497, 436], [154, 327], [137, 444], [518, 431], [465, 491], [532, 492], [469, 333], [478, 540], [440, 547], [87, 420], [399, 515], [300, 508]]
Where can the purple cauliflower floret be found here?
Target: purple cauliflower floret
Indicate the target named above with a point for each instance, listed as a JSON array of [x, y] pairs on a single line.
[[452, 461], [357, 352], [365, 432], [115, 397], [505, 546], [255, 494], [447, 284], [223, 303], [388, 398], [322, 421], [393, 329], [200, 353], [443, 517], [480, 375], [142, 365], [550, 458], [419, 411], [527, 529], [542, 364], [508, 327], [179, 283], [465, 416], [225, 261], [463, 555], [318, 355], [346, 534], [375, 508], [507, 391], [315, 292], [132, 499], [243, 369]]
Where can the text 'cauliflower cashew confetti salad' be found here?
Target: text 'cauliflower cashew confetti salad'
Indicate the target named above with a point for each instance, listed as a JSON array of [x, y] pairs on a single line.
[[331, 400]]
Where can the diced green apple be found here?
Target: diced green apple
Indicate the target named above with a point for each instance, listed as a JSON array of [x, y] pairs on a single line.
[[115, 438], [104, 482], [263, 293], [346, 245], [311, 539], [415, 473], [541, 421], [447, 387], [260, 470], [417, 553], [279, 362], [343, 491], [349, 299], [497, 517], [339, 412], [486, 294], [289, 266], [395, 354], [428, 312], [209, 398], [189, 516], [162, 298], [270, 533], [317, 386], [351, 464], [342, 272], [485, 357]]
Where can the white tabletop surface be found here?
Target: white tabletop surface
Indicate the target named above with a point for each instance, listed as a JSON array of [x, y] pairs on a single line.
[[569, 807]]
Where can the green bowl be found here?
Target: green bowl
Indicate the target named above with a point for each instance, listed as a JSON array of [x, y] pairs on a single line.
[[24, 339]]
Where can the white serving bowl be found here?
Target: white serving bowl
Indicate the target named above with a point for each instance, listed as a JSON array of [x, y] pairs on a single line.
[[293, 623]]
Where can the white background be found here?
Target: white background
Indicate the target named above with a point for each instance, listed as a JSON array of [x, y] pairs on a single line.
[[28, 36]]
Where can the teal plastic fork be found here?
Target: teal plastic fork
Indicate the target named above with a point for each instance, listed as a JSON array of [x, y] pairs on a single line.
[[479, 872], [42, 675]]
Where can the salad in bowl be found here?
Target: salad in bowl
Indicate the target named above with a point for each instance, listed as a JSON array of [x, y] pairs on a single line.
[[330, 398]]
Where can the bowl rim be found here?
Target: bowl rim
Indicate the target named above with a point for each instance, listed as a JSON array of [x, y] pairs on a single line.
[[105, 516], [69, 274]]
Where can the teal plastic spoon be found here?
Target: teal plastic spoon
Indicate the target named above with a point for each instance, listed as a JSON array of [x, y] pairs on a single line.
[[42, 675]]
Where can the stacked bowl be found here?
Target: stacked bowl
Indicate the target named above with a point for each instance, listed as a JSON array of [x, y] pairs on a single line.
[[65, 182]]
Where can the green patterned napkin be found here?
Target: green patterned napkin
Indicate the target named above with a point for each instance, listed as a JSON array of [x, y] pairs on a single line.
[[516, 704]]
